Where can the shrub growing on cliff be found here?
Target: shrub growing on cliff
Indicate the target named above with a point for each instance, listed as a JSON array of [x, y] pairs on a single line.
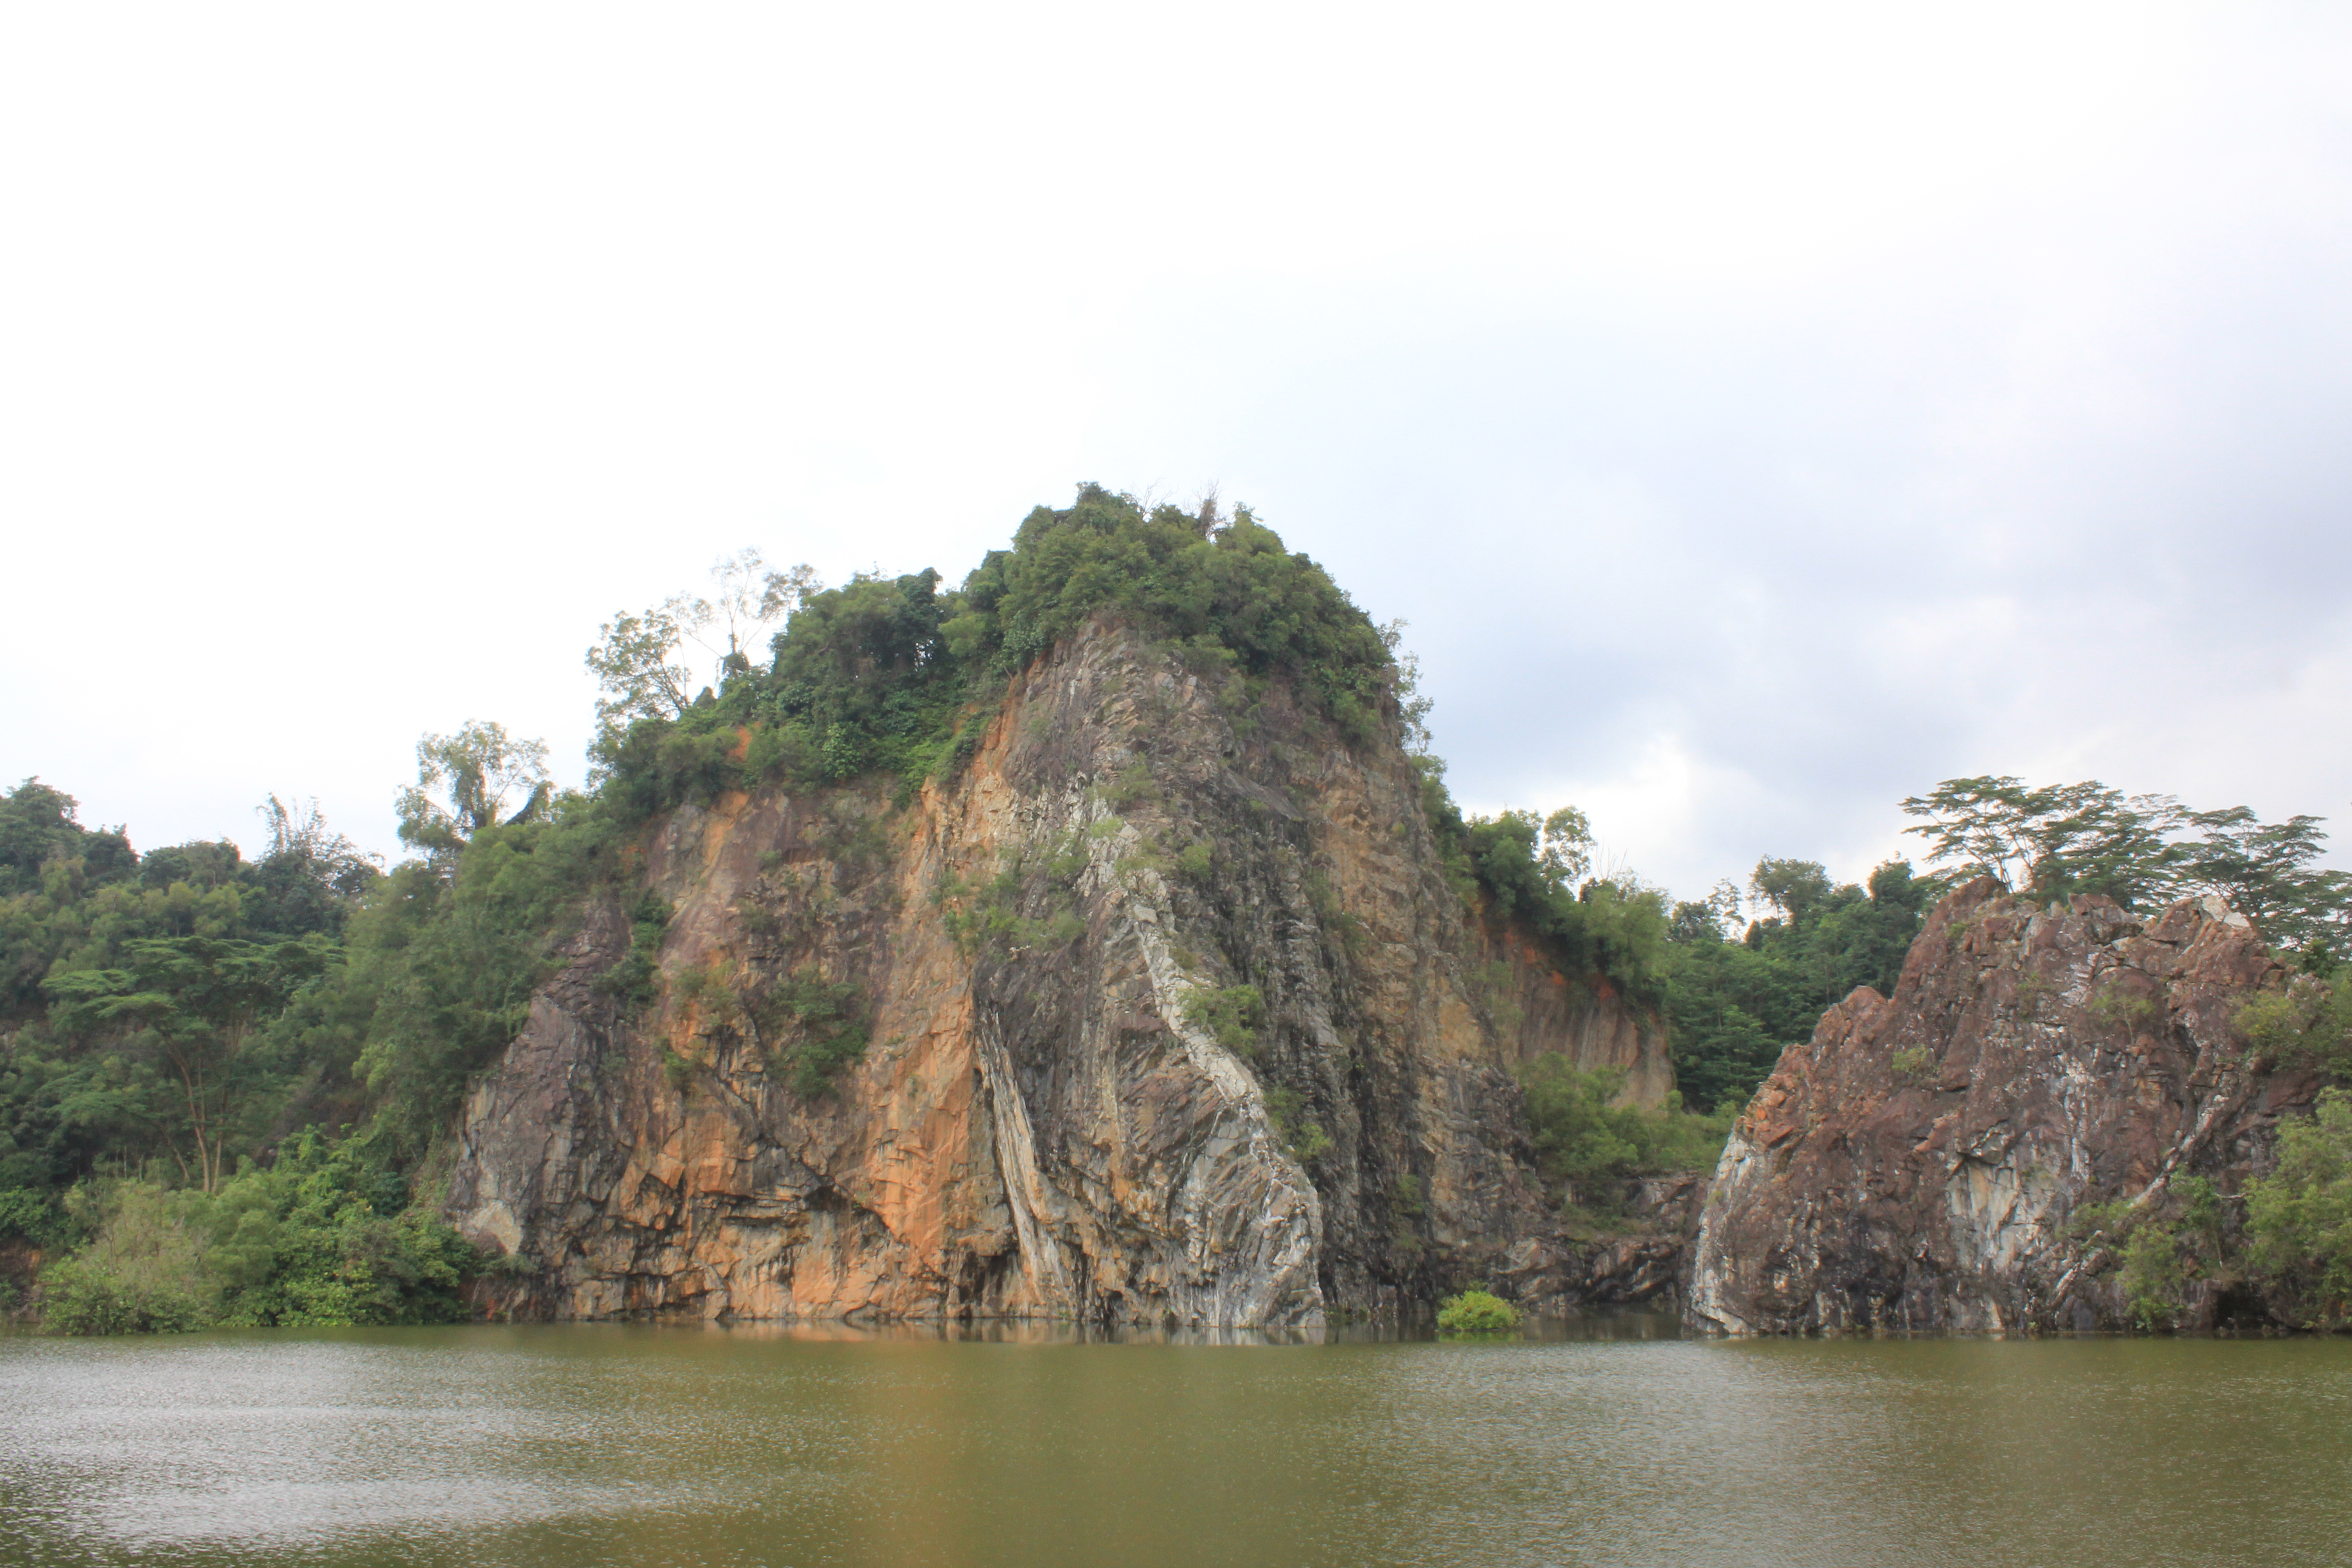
[[1528, 869], [814, 1029], [1236, 1015], [1582, 1139], [2305, 1024], [2299, 1218], [1476, 1314], [1303, 1136]]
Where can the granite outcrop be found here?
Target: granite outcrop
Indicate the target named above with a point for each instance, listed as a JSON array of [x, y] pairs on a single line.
[[1927, 1160], [1172, 1016]]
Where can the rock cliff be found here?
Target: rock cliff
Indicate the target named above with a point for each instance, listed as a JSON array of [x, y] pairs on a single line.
[[1917, 1164], [1172, 1016]]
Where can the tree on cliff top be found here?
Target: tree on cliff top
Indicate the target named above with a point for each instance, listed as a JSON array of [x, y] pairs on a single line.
[[2143, 851], [464, 781], [875, 675], [637, 659]]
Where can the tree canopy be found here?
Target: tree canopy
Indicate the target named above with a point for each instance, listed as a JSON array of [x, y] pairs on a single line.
[[2143, 851]]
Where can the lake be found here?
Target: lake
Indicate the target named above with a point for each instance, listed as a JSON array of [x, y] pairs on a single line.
[[1598, 1441]]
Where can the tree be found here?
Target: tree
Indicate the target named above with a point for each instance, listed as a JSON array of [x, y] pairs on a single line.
[[1567, 853], [310, 875], [636, 671], [1735, 998], [37, 826], [2055, 841], [1795, 887], [2265, 872], [2299, 1218], [1412, 703], [464, 781], [636, 658], [2143, 851], [195, 1002]]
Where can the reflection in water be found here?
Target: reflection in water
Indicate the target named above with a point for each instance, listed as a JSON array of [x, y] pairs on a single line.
[[1608, 1324], [1601, 1441]]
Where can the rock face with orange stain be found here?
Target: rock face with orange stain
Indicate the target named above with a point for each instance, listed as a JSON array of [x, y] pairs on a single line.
[[1068, 1105], [1920, 1163]]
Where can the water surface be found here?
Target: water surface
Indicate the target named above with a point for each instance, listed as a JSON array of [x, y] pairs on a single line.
[[1603, 1443]]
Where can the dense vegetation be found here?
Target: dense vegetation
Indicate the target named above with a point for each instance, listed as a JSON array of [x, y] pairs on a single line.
[[222, 1080], [893, 675], [1739, 991], [173, 1020], [885, 674]]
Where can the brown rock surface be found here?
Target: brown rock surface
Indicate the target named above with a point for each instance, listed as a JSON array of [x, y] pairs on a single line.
[[1041, 1124], [1913, 1164]]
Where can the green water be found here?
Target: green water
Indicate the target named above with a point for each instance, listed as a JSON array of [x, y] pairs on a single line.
[[1607, 1443]]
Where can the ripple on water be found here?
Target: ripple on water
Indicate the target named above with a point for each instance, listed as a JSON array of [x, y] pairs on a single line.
[[581, 1444]]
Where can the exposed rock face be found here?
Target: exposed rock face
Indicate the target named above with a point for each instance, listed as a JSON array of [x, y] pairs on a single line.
[[1913, 1166], [1047, 1122]]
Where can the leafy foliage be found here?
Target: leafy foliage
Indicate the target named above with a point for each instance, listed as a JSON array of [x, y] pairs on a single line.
[[2299, 1218], [464, 781], [1520, 868], [816, 1027], [2304, 1023], [1475, 1313], [1300, 1133], [637, 658], [317, 1238], [2143, 851], [878, 675], [1584, 1139], [1236, 1015], [1735, 998], [193, 1005], [443, 958], [148, 1003]]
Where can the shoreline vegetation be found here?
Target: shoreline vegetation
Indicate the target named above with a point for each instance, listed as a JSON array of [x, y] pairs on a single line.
[[226, 1085]]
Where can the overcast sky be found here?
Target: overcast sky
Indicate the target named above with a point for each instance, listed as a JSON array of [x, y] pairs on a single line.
[[1758, 413]]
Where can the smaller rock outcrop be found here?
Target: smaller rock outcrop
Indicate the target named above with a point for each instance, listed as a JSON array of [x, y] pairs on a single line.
[[1917, 1164]]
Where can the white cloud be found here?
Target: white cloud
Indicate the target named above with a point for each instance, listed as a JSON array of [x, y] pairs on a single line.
[[1759, 413]]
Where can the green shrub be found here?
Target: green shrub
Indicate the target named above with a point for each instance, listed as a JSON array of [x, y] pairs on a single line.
[[37, 1215], [1233, 1014], [2118, 1007], [1474, 1313], [305, 1240], [2153, 1274], [986, 916], [142, 1273], [815, 1028], [1306, 1140], [2305, 1023], [2299, 1218], [1581, 1138], [1913, 1064]]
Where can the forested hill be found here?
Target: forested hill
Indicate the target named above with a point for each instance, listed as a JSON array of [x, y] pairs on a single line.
[[171, 1023]]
